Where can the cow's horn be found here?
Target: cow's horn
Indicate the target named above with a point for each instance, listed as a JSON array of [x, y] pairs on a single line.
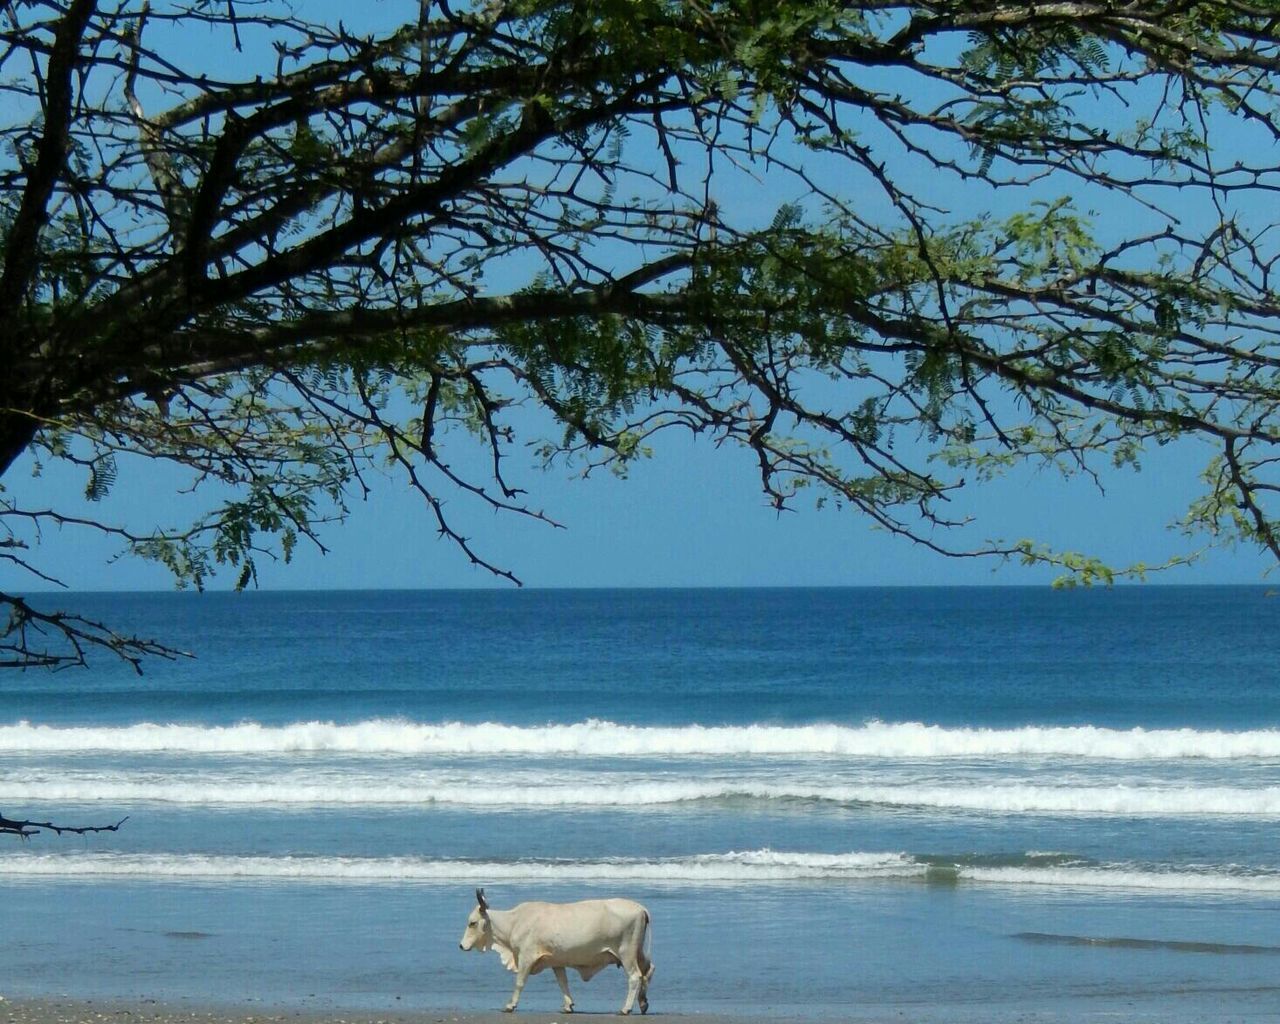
[[480, 899]]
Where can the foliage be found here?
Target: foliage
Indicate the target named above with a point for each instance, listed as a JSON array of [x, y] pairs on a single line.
[[280, 255]]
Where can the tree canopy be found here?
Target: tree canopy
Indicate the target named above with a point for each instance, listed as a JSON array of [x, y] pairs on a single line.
[[890, 249]]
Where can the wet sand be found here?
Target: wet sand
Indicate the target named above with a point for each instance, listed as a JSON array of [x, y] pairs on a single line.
[[71, 1011], [62, 1010]]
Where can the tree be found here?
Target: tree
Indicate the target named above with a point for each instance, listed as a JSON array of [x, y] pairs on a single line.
[[292, 252]]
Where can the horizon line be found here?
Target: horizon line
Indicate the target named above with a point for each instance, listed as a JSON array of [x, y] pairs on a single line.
[[510, 589]]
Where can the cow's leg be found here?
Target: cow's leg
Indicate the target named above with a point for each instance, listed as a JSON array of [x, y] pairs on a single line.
[[562, 981], [635, 978], [522, 975], [646, 972]]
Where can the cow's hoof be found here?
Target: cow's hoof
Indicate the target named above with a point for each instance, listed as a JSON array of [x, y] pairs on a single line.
[[644, 1006], [509, 1009]]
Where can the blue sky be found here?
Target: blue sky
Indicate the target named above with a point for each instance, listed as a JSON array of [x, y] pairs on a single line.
[[691, 516]]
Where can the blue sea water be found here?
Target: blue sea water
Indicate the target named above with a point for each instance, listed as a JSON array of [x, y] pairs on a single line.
[[871, 804]]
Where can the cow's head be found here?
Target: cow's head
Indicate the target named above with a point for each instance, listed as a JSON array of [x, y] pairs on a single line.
[[479, 932]]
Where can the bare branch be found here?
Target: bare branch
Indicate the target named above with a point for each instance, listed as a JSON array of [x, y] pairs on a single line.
[[26, 829]]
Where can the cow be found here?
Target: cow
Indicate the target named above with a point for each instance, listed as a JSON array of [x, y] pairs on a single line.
[[587, 936]]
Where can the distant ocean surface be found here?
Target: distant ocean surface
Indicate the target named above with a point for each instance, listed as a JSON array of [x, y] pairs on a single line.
[[929, 804]]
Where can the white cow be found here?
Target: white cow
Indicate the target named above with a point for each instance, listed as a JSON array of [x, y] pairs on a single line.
[[587, 936]]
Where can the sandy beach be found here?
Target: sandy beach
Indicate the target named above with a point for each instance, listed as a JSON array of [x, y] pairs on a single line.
[[71, 1011], [1261, 1010]]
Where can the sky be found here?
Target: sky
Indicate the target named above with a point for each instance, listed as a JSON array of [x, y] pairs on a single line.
[[691, 516]]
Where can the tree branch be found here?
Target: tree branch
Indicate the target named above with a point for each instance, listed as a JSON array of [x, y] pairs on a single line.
[[20, 247], [25, 829]]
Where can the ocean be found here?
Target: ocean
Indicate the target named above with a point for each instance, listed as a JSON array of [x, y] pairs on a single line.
[[922, 804]]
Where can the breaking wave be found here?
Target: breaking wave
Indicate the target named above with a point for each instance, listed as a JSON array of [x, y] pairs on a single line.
[[1103, 800], [758, 866], [595, 738]]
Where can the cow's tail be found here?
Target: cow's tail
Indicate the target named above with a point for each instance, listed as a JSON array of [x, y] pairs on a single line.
[[646, 949]]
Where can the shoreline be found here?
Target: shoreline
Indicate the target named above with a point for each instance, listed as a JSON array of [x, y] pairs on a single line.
[[142, 1010], [68, 1010], [150, 1011]]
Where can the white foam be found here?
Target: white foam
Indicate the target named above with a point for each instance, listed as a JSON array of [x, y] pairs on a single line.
[[760, 865], [1126, 879], [595, 738], [1117, 800], [1094, 800], [750, 867]]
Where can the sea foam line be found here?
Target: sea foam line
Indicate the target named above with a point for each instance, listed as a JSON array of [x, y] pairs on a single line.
[[1110, 800], [758, 866], [596, 738]]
